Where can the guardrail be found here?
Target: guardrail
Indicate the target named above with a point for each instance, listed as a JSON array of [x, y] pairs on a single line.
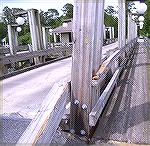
[[114, 64], [10, 63], [6, 50], [28, 55], [25, 53], [48, 116], [147, 42], [109, 41]]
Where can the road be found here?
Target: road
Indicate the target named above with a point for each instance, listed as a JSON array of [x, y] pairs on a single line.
[[126, 117], [24, 93]]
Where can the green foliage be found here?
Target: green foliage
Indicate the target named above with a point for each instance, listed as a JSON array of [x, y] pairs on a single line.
[[110, 10], [3, 30], [52, 19], [9, 14], [110, 19], [146, 28], [68, 11], [25, 39], [49, 18]]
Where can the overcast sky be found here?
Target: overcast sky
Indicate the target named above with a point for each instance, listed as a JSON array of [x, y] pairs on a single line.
[[43, 4]]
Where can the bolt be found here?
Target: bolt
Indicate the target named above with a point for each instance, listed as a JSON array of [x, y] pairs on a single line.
[[84, 106], [72, 131], [76, 102], [82, 132], [66, 121]]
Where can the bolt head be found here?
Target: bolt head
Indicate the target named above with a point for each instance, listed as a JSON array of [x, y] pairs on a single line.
[[76, 102], [72, 131], [82, 132], [84, 106]]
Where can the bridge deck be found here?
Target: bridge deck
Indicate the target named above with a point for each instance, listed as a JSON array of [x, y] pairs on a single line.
[[24, 93], [126, 116]]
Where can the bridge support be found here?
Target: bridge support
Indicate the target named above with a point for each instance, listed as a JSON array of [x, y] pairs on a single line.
[[45, 37], [35, 29], [88, 16], [12, 36], [136, 30], [129, 27], [121, 23], [13, 42], [132, 28], [55, 40]]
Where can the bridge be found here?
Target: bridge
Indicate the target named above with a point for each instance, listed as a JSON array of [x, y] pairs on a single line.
[[89, 94]]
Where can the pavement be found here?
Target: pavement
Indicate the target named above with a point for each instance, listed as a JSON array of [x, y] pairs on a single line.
[[11, 128], [126, 118]]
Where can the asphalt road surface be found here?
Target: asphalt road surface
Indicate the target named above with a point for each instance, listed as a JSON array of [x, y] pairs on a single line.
[[127, 115]]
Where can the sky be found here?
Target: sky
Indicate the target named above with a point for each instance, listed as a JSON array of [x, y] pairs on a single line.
[[42, 4]]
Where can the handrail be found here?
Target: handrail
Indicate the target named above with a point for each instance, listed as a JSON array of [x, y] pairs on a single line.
[[6, 50], [28, 55]]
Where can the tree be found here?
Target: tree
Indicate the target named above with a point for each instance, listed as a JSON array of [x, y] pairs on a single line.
[[110, 19], [146, 28], [68, 11], [49, 18], [24, 39], [52, 13], [9, 17], [10, 14], [3, 30], [110, 10]]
